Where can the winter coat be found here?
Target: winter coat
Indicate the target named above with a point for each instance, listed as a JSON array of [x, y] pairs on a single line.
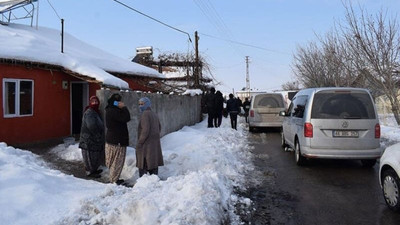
[[246, 106], [219, 104], [210, 102], [148, 144], [92, 132], [232, 106], [116, 123]]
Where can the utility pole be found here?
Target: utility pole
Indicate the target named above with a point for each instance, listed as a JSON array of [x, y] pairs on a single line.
[[247, 76], [196, 72]]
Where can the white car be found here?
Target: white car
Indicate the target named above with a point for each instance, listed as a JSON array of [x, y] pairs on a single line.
[[389, 173], [264, 110]]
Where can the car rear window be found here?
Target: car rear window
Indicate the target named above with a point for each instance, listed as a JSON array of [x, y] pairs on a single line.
[[346, 105], [270, 101]]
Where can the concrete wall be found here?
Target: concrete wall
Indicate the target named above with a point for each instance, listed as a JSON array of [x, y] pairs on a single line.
[[174, 111]]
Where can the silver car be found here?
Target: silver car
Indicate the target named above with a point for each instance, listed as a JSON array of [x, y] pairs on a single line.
[[264, 110], [337, 123]]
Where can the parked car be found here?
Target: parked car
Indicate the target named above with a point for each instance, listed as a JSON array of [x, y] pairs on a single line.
[[264, 110], [389, 173], [336, 123]]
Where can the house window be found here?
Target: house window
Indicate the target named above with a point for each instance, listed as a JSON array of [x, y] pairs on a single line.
[[17, 97]]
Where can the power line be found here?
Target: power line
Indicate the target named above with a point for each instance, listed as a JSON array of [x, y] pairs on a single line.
[[152, 18], [215, 19], [244, 44], [54, 9]]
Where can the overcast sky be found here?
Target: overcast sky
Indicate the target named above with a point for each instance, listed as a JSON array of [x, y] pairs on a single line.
[[267, 31]]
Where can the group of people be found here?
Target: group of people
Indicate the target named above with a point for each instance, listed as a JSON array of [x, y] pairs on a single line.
[[95, 142], [214, 104]]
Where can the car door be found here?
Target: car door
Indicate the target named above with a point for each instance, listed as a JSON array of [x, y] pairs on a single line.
[[297, 117], [286, 125]]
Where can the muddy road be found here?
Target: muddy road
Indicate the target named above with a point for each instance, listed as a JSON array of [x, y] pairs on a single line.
[[322, 192]]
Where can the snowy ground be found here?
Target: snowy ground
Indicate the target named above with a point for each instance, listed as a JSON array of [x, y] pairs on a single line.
[[196, 186], [202, 169]]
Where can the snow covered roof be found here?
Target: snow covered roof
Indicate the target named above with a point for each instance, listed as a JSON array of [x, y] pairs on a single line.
[[43, 45]]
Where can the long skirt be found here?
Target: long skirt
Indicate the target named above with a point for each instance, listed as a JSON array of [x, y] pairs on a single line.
[[115, 159], [91, 159]]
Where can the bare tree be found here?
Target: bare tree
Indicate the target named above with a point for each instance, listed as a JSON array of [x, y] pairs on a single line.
[[375, 48], [309, 66], [184, 64], [328, 64], [290, 85]]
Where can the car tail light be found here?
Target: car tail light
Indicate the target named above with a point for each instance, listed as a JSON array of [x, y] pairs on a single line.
[[251, 113], [377, 131], [308, 130]]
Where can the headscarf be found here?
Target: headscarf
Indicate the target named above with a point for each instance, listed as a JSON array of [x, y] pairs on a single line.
[[147, 104], [94, 106]]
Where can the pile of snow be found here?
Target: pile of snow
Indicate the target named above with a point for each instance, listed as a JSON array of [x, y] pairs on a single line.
[[390, 132], [202, 168], [192, 92]]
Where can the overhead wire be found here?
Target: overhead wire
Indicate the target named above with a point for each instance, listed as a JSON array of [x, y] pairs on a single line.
[[216, 20], [54, 9], [241, 43], [152, 18]]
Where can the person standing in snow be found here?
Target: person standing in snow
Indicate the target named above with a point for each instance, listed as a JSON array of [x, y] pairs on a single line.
[[117, 137], [246, 108], [148, 148], [219, 107], [91, 140], [209, 102], [233, 108]]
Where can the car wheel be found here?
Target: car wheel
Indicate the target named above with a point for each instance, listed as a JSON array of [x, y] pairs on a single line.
[[368, 162], [391, 189], [300, 160], [283, 142]]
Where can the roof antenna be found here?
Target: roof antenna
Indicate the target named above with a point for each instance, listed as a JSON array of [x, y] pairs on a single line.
[[62, 35], [62, 27]]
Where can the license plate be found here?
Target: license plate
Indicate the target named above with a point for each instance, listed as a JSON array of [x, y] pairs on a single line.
[[345, 133]]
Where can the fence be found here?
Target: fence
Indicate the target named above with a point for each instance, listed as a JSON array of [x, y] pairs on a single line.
[[174, 111]]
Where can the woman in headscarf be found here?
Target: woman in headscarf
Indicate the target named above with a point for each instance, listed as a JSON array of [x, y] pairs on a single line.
[[117, 137], [92, 138], [148, 148]]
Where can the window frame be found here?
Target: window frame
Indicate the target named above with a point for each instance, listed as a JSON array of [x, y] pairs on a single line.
[[17, 99]]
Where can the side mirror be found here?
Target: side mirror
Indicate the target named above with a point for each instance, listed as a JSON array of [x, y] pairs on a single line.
[[282, 113]]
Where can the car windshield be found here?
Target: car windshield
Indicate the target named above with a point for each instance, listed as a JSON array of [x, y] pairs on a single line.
[[346, 105], [270, 101]]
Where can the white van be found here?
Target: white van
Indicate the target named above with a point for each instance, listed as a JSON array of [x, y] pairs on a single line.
[[339, 123], [264, 110]]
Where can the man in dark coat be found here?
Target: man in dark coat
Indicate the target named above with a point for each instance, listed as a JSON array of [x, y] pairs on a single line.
[[210, 105], [233, 108], [246, 108], [92, 138], [117, 137], [219, 107], [148, 148]]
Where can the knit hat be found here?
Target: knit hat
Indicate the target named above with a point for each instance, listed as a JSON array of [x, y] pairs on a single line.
[[146, 103]]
